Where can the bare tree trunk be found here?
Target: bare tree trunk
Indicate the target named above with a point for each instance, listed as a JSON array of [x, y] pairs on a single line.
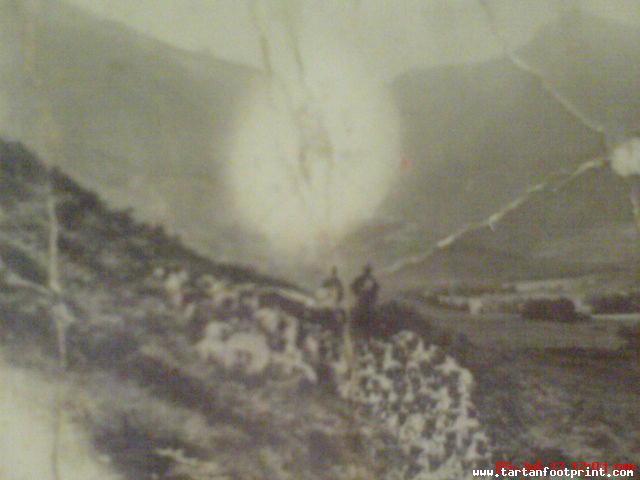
[[54, 234], [46, 139]]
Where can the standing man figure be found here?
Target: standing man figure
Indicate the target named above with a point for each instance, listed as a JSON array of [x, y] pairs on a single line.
[[365, 288], [334, 288]]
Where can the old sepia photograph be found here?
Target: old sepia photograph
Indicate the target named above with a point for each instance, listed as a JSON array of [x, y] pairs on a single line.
[[319, 239]]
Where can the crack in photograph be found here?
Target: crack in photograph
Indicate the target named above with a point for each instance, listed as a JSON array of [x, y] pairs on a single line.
[[319, 239]]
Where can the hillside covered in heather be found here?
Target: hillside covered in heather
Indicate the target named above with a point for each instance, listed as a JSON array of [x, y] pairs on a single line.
[[157, 363]]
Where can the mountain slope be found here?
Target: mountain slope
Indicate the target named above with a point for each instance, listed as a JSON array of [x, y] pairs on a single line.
[[547, 232], [143, 124], [479, 135], [147, 125], [170, 374]]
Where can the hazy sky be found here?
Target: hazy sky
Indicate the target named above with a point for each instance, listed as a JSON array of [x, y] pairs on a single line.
[[393, 36]]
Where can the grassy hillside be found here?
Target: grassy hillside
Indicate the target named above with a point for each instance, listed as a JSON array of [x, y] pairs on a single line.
[[175, 374], [249, 379]]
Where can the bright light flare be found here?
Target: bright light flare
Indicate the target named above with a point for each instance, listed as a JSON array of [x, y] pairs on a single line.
[[350, 127]]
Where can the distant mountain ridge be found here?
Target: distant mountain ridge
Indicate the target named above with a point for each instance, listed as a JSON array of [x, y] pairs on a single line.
[[518, 241], [148, 126], [480, 135]]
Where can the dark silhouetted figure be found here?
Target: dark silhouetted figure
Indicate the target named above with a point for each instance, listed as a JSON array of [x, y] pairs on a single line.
[[365, 288], [333, 286]]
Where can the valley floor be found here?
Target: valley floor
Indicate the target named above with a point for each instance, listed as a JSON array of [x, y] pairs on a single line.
[[510, 331], [559, 392]]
